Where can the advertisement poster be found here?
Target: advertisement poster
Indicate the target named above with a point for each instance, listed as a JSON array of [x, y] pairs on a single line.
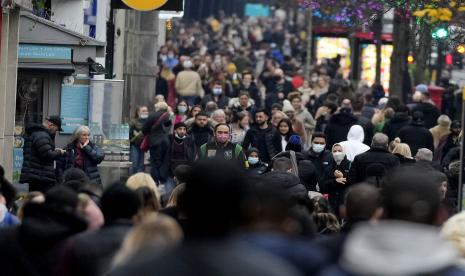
[[368, 64], [330, 47], [18, 154], [74, 107]]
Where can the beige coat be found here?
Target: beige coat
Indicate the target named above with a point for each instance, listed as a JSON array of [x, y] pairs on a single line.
[[188, 83], [438, 133]]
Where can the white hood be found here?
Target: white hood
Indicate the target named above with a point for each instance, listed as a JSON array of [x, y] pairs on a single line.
[[354, 144], [356, 133], [395, 248]]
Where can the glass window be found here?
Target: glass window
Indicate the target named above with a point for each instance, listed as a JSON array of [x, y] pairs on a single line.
[[29, 99]]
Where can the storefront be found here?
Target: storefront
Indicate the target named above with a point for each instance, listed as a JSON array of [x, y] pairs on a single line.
[[54, 74]]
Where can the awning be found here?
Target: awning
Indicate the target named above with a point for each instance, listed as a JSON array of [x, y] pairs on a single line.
[[65, 68]]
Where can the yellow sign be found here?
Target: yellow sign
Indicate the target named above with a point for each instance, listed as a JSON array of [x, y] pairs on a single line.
[[145, 5], [463, 93]]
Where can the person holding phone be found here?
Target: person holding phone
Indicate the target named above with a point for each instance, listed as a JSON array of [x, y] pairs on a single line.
[[83, 154]]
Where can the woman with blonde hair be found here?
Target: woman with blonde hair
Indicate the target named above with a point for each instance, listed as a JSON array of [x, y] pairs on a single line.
[[402, 151], [156, 231], [453, 231], [83, 154], [146, 188]]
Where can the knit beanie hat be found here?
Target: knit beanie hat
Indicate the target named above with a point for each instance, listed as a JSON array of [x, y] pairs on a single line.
[[287, 106], [180, 124]]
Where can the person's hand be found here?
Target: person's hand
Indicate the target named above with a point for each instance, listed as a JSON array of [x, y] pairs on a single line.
[[341, 180], [60, 151], [281, 95], [85, 144], [338, 174]]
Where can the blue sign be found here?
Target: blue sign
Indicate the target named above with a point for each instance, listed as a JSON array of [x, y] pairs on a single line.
[[44, 53], [17, 164], [256, 10], [74, 107]]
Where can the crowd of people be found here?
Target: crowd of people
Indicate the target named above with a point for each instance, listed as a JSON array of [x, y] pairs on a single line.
[[265, 171]]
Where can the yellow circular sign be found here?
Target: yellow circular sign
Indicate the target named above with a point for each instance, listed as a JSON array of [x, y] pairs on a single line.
[[145, 5]]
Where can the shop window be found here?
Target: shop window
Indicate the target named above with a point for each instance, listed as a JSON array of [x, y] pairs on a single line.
[[29, 99]]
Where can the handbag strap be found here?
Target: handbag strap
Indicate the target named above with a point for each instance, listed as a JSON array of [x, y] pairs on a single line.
[[162, 117]]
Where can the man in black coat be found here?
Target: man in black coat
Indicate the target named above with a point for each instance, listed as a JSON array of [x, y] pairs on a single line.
[[430, 111], [260, 136], [318, 154], [200, 131], [278, 89], [367, 125], [157, 127], [340, 124], [91, 253], [401, 118], [377, 155], [40, 154], [416, 135], [283, 178]]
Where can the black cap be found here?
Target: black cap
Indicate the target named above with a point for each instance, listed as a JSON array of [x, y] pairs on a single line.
[[180, 124], [56, 120]]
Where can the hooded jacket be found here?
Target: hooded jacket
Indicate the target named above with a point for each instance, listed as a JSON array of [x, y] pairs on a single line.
[[354, 144], [235, 105], [307, 171], [441, 130], [289, 183], [338, 128], [393, 126], [396, 248], [39, 156], [417, 137], [359, 170]]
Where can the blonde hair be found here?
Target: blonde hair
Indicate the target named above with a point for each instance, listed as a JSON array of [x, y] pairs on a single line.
[[402, 149], [453, 230], [78, 132], [173, 201], [155, 231], [144, 180], [161, 106]]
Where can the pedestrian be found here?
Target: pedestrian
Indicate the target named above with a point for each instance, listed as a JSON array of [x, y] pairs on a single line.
[[260, 136], [243, 103], [402, 151], [239, 127], [448, 142], [182, 151], [188, 84], [416, 135], [441, 130], [354, 145], [377, 155], [180, 113], [39, 155], [7, 200], [248, 85], [400, 119], [278, 89], [145, 187], [302, 114], [222, 149], [83, 154], [368, 127], [201, 131], [277, 116], [136, 137], [217, 96], [91, 253], [340, 123], [297, 125], [256, 166], [281, 137], [318, 154], [156, 128], [334, 181], [430, 111]]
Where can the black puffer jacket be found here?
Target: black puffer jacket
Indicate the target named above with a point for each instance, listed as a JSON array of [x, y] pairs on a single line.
[[307, 171], [287, 182], [93, 155], [334, 189], [430, 113], [375, 156], [261, 139], [393, 126], [338, 128], [39, 156], [201, 135]]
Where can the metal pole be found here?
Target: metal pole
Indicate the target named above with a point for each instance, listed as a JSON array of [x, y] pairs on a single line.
[[460, 202], [440, 61], [308, 63]]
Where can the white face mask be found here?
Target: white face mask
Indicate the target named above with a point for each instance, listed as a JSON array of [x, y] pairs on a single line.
[[217, 91], [318, 148], [338, 156], [144, 116], [253, 160]]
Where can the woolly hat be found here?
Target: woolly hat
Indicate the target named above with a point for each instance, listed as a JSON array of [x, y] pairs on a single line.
[[287, 107], [180, 124]]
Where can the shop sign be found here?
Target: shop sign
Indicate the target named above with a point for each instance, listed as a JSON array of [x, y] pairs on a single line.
[[144, 5], [44, 54], [149, 5]]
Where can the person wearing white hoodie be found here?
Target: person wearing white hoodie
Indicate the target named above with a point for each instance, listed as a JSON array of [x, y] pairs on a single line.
[[354, 144]]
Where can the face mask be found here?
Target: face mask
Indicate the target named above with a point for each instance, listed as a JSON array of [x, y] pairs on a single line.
[[182, 109], [144, 116], [170, 55], [187, 64], [246, 84], [318, 148], [338, 156], [179, 137], [222, 138], [217, 91], [315, 79], [253, 160]]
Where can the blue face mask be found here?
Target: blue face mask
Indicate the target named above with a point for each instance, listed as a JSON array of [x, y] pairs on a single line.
[[182, 109], [253, 160], [318, 148]]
